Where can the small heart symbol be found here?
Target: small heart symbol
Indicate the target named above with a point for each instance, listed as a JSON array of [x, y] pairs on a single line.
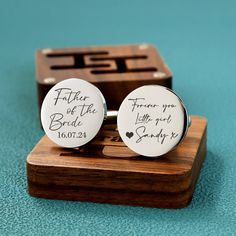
[[129, 134]]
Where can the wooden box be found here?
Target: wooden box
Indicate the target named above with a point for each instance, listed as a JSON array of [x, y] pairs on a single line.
[[115, 70], [106, 171]]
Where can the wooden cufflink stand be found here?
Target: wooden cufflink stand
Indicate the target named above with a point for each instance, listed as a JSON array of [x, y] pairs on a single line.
[[106, 171]]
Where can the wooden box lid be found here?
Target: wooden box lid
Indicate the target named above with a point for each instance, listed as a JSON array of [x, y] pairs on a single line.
[[115, 70]]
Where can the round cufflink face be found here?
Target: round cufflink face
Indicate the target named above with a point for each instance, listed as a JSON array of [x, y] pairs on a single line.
[[72, 112], [152, 120]]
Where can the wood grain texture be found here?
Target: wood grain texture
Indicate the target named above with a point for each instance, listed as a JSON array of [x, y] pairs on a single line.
[[107, 171], [115, 70]]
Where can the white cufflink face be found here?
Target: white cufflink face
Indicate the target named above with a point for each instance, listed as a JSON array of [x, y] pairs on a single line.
[[72, 112], [152, 120]]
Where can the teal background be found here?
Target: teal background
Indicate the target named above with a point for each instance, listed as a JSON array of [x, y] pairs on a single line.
[[197, 40]]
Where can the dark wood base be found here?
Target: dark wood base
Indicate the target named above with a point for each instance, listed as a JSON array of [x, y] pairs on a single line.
[[106, 171]]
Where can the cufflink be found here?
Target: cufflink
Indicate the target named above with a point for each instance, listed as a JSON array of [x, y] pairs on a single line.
[[73, 112], [152, 120]]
